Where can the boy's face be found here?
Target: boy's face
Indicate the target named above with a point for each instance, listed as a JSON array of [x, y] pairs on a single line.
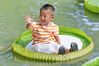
[[45, 17]]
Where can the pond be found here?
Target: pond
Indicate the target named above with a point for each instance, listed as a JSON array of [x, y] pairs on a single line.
[[69, 13]]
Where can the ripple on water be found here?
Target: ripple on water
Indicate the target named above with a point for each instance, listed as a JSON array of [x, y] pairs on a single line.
[[6, 52], [5, 56], [2, 48], [94, 26], [95, 29]]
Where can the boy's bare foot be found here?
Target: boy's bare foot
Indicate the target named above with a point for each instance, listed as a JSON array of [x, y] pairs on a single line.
[[67, 51], [55, 52]]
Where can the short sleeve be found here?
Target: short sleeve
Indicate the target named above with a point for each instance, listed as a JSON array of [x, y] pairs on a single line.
[[56, 30]]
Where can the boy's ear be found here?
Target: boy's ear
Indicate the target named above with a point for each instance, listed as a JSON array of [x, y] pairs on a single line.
[[52, 17]]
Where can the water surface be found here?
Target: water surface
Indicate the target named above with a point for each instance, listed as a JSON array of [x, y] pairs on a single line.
[[69, 13]]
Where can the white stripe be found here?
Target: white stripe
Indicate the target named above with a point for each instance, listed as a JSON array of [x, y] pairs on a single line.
[[43, 26], [42, 36], [37, 41], [38, 26], [46, 30], [41, 32]]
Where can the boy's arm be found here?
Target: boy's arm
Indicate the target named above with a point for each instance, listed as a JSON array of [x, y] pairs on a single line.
[[28, 26], [29, 22], [57, 39]]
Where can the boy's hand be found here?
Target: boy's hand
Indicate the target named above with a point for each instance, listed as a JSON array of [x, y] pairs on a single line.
[[28, 19]]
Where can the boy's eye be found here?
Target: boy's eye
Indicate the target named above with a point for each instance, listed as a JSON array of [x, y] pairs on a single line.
[[43, 16]]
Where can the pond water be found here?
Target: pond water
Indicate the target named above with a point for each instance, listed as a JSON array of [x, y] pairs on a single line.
[[69, 13]]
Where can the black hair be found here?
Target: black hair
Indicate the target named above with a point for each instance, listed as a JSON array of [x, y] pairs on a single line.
[[48, 6]]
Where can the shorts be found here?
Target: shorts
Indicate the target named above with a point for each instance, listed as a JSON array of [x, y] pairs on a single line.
[[45, 48]]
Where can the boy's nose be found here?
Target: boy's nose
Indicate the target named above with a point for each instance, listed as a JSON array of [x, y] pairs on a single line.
[[43, 18]]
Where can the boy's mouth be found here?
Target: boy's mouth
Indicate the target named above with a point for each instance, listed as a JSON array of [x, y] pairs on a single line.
[[43, 22]]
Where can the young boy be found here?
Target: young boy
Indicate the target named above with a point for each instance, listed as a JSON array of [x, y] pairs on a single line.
[[45, 33]]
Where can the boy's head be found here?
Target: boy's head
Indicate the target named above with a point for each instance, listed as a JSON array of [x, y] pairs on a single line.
[[46, 14], [48, 7]]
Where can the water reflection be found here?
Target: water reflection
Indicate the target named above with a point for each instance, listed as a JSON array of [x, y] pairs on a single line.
[[22, 59], [93, 16], [94, 23], [5, 56]]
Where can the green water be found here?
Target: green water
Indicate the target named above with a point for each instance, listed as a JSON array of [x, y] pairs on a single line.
[[70, 13]]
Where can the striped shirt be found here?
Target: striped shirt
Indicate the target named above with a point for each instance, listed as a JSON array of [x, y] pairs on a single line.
[[42, 34]]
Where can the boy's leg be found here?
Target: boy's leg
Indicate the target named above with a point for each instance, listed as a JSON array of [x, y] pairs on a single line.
[[47, 48], [62, 49], [52, 47], [41, 48], [58, 49]]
